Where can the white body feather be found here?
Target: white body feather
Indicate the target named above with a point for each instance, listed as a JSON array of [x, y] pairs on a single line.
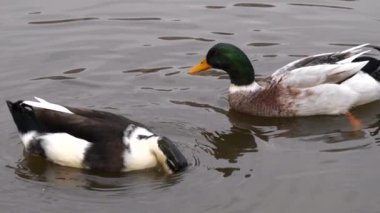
[[329, 99], [60, 148], [325, 86], [64, 149], [367, 88], [321, 94]]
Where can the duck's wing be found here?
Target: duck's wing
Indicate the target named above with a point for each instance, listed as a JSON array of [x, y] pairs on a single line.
[[319, 69], [90, 125], [87, 113]]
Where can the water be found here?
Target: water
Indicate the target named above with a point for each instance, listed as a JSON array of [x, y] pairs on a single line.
[[132, 58]]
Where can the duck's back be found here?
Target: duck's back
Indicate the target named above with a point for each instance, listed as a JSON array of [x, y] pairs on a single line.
[[70, 136]]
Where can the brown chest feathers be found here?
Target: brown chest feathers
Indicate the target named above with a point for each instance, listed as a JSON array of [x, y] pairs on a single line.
[[271, 101]]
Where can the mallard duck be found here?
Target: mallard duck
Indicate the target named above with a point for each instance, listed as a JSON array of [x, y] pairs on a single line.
[[90, 139], [323, 84]]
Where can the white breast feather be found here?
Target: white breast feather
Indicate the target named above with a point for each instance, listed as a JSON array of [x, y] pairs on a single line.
[[47, 105]]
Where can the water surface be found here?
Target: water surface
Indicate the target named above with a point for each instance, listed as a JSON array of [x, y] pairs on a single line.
[[132, 57]]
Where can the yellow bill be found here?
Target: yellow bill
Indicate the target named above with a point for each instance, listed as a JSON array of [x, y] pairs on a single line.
[[200, 67]]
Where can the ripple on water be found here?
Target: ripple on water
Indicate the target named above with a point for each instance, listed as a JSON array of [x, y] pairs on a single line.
[[156, 89], [136, 19], [270, 56], [147, 70], [175, 38], [63, 20], [262, 44], [222, 33], [215, 7], [60, 77], [297, 55], [345, 149], [343, 44], [54, 77], [34, 13], [253, 5], [74, 71], [172, 73], [199, 105], [320, 5]]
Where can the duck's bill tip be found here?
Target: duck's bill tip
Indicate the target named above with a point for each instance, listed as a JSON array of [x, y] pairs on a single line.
[[203, 66]]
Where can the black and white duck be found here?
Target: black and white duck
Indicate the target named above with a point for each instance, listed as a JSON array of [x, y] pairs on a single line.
[[91, 139]]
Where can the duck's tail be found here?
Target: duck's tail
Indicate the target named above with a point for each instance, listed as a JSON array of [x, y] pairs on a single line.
[[373, 65], [24, 117]]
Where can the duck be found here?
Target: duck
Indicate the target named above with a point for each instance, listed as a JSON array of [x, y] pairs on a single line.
[[323, 84], [91, 139]]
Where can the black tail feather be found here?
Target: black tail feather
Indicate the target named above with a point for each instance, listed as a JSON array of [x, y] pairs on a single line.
[[373, 65], [24, 117], [375, 47]]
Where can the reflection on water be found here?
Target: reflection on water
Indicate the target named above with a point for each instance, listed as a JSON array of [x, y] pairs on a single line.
[[375, 130], [227, 171], [38, 169], [308, 129], [231, 144]]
